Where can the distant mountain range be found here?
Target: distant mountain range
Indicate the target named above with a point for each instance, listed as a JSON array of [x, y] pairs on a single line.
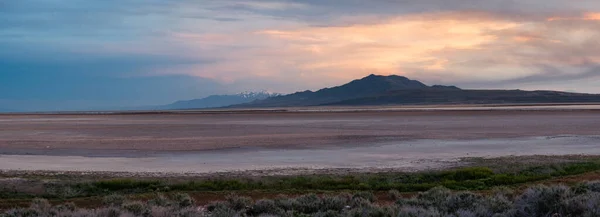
[[383, 90], [398, 90], [373, 90], [216, 101]]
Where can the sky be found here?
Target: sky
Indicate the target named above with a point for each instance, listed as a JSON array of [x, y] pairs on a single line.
[[80, 54]]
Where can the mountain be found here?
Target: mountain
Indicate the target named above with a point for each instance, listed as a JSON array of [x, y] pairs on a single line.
[[398, 90], [215, 101], [460, 96], [368, 86]]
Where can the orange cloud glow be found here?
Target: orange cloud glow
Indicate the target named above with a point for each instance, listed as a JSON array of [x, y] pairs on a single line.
[[443, 46], [388, 46], [592, 16], [586, 16]]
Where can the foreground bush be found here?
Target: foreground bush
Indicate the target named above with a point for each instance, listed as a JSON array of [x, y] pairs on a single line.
[[539, 201], [65, 187]]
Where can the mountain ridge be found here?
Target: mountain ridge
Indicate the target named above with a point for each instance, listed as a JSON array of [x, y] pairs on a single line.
[[399, 90], [215, 101], [363, 87]]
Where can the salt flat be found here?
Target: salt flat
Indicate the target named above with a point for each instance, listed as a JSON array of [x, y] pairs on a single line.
[[404, 155], [206, 142]]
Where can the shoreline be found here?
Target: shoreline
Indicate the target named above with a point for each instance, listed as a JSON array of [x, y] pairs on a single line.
[[334, 109], [502, 163]]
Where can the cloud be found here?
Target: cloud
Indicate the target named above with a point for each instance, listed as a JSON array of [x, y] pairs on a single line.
[[463, 47], [265, 5], [292, 45], [549, 73], [458, 47], [383, 47], [586, 16], [43, 78]]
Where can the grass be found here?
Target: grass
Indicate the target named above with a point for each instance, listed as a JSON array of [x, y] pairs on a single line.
[[471, 178], [468, 178], [489, 174]]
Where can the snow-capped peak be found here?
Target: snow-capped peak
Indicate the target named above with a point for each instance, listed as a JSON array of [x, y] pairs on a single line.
[[257, 95]]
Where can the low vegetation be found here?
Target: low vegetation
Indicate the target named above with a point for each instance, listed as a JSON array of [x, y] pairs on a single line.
[[542, 201], [430, 193], [470, 178]]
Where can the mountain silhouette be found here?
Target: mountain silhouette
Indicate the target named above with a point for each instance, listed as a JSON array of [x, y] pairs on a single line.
[[399, 90], [367, 86], [216, 101]]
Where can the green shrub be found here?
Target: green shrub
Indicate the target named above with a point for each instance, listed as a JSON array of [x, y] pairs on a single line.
[[113, 200], [542, 200], [394, 194], [238, 203], [285, 202], [187, 212], [408, 202], [593, 186], [372, 211], [266, 207], [224, 212], [328, 213], [469, 174], [69, 206], [137, 208], [183, 200], [63, 191], [109, 212], [217, 205], [504, 191], [159, 200], [536, 202], [461, 201], [359, 202], [127, 184], [161, 211], [365, 195], [464, 213], [334, 203], [40, 204], [494, 204], [310, 203], [435, 197], [418, 212]]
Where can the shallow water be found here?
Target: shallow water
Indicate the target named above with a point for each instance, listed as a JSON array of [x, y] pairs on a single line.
[[406, 155], [539, 107]]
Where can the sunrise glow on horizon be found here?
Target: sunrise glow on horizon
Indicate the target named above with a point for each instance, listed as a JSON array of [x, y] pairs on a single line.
[[61, 52]]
